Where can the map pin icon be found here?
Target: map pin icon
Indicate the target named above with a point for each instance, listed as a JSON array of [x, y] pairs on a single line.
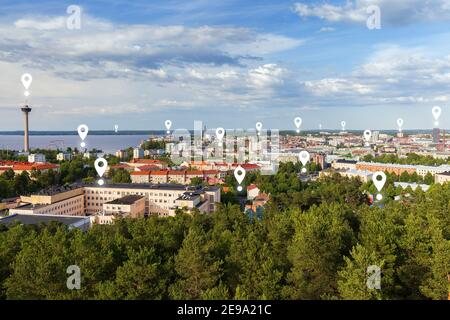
[[379, 179], [367, 135], [82, 132], [400, 124], [304, 158], [220, 132], [100, 165], [298, 123], [343, 125], [239, 174], [168, 124], [27, 79], [436, 111]]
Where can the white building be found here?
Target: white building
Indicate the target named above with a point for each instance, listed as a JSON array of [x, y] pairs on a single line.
[[80, 200], [138, 153], [36, 157], [64, 156]]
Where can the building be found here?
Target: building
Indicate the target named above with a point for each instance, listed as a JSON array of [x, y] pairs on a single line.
[[138, 153], [79, 200], [132, 206], [82, 223], [343, 164], [121, 154], [68, 201], [436, 135], [19, 167], [398, 169], [319, 159], [36, 158], [252, 191], [64, 156], [442, 177], [174, 176]]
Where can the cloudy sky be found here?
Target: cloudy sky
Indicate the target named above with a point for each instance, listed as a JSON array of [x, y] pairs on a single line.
[[229, 64]]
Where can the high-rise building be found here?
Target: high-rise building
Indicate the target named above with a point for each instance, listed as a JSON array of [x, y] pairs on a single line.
[[26, 142], [436, 135]]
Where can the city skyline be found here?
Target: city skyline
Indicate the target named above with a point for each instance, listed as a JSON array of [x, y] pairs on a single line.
[[229, 65]]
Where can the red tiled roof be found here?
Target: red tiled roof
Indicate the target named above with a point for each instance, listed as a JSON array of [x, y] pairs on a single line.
[[146, 161], [252, 186], [37, 166], [159, 172], [148, 167], [194, 172], [177, 172], [211, 171], [140, 173]]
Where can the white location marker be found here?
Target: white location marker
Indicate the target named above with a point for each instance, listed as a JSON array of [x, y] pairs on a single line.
[[168, 124], [304, 158], [259, 127], [239, 174], [379, 179], [298, 123], [100, 166], [400, 124], [27, 79], [367, 136], [82, 132], [320, 126], [343, 125], [436, 111], [220, 132], [116, 128]]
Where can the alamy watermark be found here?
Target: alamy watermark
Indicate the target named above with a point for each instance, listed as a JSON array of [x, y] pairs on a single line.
[[73, 22], [231, 146], [74, 280], [374, 277]]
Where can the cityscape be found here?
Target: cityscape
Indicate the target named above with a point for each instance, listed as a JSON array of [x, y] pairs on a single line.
[[255, 204]]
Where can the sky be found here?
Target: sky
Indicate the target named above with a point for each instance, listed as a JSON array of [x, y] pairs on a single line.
[[227, 63]]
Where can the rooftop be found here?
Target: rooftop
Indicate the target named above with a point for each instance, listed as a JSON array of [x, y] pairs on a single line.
[[130, 199]]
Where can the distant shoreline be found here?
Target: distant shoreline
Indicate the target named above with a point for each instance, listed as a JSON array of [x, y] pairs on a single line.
[[163, 132]]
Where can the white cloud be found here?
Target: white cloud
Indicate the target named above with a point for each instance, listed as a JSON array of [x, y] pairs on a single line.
[[392, 12]]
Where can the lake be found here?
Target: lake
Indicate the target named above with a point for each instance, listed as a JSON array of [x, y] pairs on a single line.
[[106, 143]]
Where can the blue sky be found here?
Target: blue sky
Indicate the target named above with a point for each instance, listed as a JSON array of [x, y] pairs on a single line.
[[227, 63]]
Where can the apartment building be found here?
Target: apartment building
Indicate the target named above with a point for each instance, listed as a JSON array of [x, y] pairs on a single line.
[[160, 199], [80, 200], [68, 201], [442, 177], [398, 169], [19, 167], [173, 176]]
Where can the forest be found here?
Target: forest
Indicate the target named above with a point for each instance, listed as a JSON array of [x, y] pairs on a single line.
[[315, 240]]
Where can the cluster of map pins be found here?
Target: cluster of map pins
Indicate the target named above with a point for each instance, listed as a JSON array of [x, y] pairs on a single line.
[[83, 132], [239, 174], [168, 124], [100, 165], [27, 79], [367, 136], [298, 123], [304, 159], [379, 179], [436, 111]]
